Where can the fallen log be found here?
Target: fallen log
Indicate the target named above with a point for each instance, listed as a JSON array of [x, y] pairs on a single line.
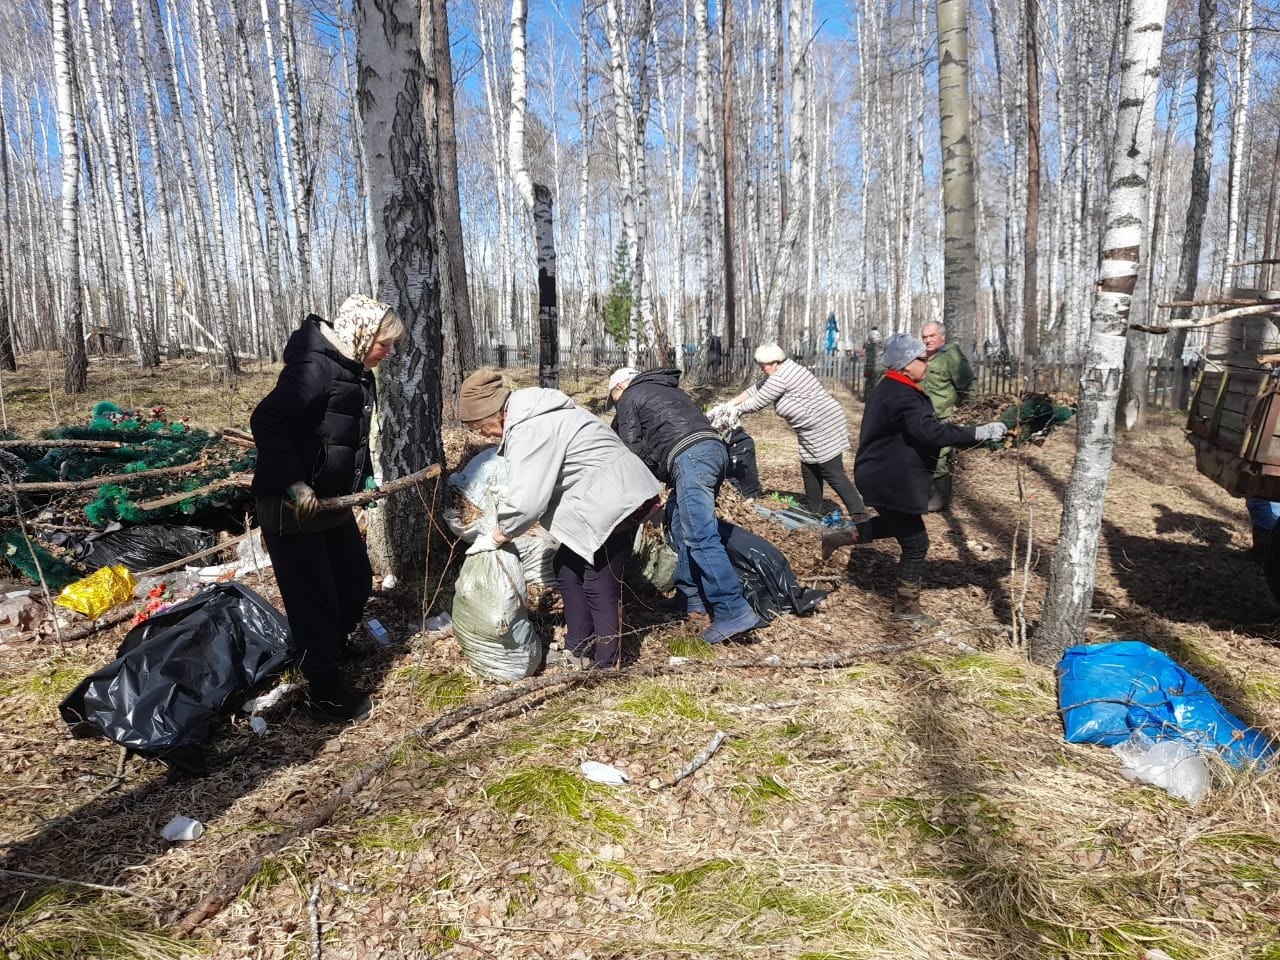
[[59, 486], [83, 444], [237, 480]]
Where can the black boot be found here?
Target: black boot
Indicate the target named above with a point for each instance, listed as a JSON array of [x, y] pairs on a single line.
[[1258, 552], [906, 607], [334, 700]]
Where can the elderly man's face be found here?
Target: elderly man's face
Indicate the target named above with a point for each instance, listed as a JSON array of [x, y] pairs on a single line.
[[933, 337]]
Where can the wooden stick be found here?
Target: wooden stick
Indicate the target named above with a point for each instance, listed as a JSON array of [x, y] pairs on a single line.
[[236, 480], [1217, 318], [111, 619], [57, 486], [238, 437], [179, 564], [85, 444], [377, 493], [1215, 302], [80, 883], [701, 759]]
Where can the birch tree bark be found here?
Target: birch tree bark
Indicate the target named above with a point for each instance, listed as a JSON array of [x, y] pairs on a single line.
[[1201, 175], [548, 306], [706, 173], [960, 270], [728, 199], [1236, 176], [75, 363], [1072, 574], [1031, 231], [8, 359], [401, 195]]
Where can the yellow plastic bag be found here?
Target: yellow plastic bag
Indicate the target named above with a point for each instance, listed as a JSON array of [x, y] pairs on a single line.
[[99, 592]]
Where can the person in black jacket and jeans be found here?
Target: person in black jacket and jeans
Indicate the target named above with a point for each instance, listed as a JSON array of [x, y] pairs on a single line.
[[897, 452], [312, 433], [664, 428]]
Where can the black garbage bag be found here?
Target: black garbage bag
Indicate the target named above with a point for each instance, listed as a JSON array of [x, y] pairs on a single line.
[[142, 548], [181, 674], [742, 471], [768, 582]]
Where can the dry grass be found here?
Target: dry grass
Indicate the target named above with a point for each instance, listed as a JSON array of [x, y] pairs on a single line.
[[915, 805]]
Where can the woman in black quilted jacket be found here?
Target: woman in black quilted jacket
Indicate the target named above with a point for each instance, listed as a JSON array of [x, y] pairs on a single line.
[[312, 433], [897, 452]]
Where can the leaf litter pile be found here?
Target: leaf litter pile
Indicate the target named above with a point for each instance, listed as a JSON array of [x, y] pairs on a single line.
[[878, 793]]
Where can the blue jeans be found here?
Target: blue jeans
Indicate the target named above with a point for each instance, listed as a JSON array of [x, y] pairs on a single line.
[[703, 570]]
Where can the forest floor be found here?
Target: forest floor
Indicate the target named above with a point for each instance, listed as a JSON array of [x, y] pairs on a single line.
[[879, 794]]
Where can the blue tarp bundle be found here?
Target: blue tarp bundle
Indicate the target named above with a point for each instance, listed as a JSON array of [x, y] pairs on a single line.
[[1108, 690]]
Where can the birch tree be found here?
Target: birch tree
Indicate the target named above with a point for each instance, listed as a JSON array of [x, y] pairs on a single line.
[[76, 365], [960, 271], [1072, 574], [401, 197]]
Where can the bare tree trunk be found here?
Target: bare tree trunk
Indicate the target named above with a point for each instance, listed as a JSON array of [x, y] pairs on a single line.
[[300, 164], [1072, 575], [1201, 174], [75, 364], [8, 360], [548, 307], [1031, 233], [727, 68], [1236, 174], [960, 274], [440, 70], [402, 188], [706, 174]]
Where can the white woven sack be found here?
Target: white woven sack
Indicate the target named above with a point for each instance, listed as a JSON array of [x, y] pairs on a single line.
[[490, 619]]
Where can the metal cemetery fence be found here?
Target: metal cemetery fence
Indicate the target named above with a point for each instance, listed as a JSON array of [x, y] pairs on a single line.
[[994, 377]]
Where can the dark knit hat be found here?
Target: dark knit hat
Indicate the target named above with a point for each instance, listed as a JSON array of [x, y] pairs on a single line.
[[483, 394]]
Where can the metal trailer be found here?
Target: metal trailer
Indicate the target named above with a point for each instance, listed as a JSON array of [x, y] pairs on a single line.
[[1233, 419]]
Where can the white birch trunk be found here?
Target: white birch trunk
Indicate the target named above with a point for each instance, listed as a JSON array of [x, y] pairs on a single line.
[[75, 364], [1072, 575], [1236, 175]]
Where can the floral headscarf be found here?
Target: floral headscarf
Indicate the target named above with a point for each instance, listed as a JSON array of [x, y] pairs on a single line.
[[356, 327]]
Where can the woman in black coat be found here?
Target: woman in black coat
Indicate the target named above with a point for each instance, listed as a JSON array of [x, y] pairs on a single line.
[[897, 452], [312, 433]]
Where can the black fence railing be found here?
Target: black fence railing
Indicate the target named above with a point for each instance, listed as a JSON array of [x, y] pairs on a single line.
[[844, 369]]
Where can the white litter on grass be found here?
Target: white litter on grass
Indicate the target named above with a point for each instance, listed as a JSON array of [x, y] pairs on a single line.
[[598, 772], [389, 582], [182, 828], [441, 621], [258, 726], [268, 699], [677, 661]]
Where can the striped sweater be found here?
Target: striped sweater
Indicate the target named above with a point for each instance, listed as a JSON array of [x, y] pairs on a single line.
[[815, 415]]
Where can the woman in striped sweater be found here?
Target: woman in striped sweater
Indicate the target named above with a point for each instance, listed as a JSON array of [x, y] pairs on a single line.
[[815, 416]]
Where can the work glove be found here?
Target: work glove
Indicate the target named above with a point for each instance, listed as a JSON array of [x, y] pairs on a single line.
[[303, 500], [484, 543], [990, 431]]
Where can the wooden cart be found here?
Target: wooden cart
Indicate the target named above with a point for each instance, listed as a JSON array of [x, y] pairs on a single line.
[[1233, 420]]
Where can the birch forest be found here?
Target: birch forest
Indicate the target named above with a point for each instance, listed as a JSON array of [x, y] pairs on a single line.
[[185, 175]]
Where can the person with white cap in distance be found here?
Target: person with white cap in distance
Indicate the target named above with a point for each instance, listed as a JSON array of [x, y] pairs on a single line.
[[661, 425], [897, 452]]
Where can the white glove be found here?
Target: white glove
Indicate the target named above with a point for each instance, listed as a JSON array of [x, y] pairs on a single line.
[[484, 543], [303, 500], [990, 431], [723, 416]]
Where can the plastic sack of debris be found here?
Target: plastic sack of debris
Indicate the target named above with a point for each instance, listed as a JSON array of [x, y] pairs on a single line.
[[1171, 765], [743, 473], [1108, 690], [491, 619], [99, 592], [474, 491], [142, 548], [537, 550], [652, 566], [768, 582], [181, 674]]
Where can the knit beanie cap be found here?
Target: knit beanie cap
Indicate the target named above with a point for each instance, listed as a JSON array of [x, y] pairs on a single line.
[[901, 349], [483, 394]]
